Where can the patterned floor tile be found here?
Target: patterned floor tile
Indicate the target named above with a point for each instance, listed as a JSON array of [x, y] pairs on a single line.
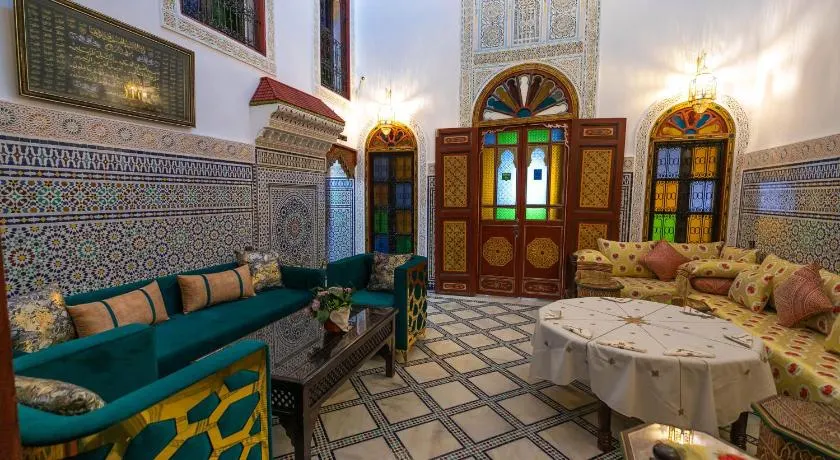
[[451, 394], [485, 323], [402, 407], [493, 310], [344, 393], [520, 449], [507, 334], [440, 318], [569, 397], [375, 448], [501, 355], [427, 372], [466, 363], [428, 440], [444, 347], [528, 408], [378, 383], [572, 440], [482, 423], [347, 422], [477, 340], [512, 319], [457, 328], [466, 314], [522, 371], [494, 383]]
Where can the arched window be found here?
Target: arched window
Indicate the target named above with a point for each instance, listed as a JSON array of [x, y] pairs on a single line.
[[392, 190], [689, 170]]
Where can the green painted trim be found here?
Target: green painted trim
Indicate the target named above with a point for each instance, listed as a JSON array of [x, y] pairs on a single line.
[[206, 289], [151, 304], [110, 312], [241, 285]]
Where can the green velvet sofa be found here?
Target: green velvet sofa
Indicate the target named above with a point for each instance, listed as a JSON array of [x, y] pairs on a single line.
[[408, 296], [216, 407]]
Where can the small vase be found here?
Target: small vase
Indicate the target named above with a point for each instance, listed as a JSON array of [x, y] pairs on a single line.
[[339, 321]]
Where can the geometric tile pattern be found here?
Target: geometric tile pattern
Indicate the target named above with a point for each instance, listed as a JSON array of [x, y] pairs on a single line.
[[790, 210], [430, 225], [626, 203], [340, 218], [464, 392]]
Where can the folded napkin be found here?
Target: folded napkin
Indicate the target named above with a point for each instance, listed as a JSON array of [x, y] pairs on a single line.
[[583, 332], [743, 339], [624, 345], [553, 314], [617, 299], [688, 353], [697, 313]]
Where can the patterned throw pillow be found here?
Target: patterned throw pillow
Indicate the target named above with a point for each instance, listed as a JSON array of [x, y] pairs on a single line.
[[382, 274], [663, 260], [801, 296], [780, 268], [751, 289], [627, 257], [143, 306], [264, 267], [39, 320], [697, 251], [54, 396], [739, 254], [200, 291], [718, 286]]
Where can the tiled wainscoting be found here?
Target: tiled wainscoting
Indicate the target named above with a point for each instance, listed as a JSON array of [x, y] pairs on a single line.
[[341, 212], [626, 203], [430, 225]]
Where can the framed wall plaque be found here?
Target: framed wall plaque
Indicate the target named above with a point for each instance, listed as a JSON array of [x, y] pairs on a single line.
[[71, 54]]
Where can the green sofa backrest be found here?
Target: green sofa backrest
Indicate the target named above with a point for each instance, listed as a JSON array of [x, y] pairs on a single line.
[[168, 287]]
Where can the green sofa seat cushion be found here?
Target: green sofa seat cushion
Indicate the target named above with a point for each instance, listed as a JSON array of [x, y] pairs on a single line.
[[184, 338], [373, 298]]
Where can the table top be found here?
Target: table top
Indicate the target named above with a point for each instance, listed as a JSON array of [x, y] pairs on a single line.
[[637, 442], [300, 347]]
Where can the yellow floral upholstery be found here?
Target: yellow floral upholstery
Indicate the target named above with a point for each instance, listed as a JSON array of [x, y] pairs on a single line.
[[626, 257], [708, 268], [752, 289], [832, 342], [592, 256], [647, 288], [800, 364], [697, 251], [739, 254]]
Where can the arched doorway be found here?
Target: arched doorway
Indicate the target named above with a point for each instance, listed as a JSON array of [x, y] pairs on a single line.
[[689, 172], [391, 190]]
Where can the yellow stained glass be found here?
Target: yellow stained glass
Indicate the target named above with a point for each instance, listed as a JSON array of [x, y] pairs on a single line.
[[699, 228], [704, 161], [488, 176], [486, 213], [665, 198], [402, 168], [404, 222], [554, 214], [380, 195], [555, 169]]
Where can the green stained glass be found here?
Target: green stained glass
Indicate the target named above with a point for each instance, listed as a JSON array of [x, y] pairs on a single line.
[[505, 214], [535, 214], [380, 221], [404, 245], [537, 136], [508, 138], [664, 227]]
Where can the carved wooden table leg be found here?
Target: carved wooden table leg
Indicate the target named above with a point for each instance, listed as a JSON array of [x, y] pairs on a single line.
[[604, 432], [738, 431]]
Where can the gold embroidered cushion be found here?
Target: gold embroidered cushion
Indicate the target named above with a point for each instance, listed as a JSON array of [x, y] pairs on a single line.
[[201, 291], [39, 319], [739, 254], [751, 289], [697, 251], [54, 396], [801, 296], [382, 272], [627, 257], [264, 267], [144, 306], [663, 260]]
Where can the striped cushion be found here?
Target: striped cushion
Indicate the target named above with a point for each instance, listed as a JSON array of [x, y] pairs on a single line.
[[200, 291], [144, 306]]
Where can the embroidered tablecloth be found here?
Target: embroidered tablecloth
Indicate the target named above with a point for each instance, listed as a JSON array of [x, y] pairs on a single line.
[[684, 391]]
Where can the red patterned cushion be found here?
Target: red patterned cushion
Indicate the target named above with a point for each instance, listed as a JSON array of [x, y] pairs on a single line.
[[663, 260], [801, 296], [719, 286]]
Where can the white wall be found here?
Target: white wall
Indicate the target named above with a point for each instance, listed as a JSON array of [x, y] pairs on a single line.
[[778, 58]]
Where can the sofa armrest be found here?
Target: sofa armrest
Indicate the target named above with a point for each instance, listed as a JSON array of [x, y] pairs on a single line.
[[111, 364], [236, 367], [303, 278], [352, 272], [591, 265], [410, 290]]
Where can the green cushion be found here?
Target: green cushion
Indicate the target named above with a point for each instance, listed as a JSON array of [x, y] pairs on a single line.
[[373, 298], [185, 338]]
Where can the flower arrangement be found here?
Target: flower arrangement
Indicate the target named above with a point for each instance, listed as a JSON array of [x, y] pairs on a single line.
[[331, 306]]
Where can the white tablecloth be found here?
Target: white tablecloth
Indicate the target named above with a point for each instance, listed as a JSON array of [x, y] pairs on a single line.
[[697, 393]]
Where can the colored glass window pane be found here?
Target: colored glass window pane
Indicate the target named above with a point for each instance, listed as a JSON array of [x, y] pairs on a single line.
[[536, 185], [704, 162], [668, 162], [664, 227], [702, 196], [554, 214], [537, 136], [508, 138], [403, 195], [556, 185], [380, 221], [489, 138], [488, 175], [380, 243], [486, 213], [505, 214], [380, 195], [404, 244], [665, 198], [380, 169], [699, 228], [557, 134], [404, 222], [402, 168], [535, 214], [506, 179]]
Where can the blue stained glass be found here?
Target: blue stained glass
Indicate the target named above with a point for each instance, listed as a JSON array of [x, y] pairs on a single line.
[[380, 169], [557, 135], [403, 193], [489, 138], [702, 196], [380, 243], [506, 180], [668, 162]]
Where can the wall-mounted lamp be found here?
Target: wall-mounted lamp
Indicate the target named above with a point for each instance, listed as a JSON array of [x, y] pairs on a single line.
[[702, 90], [386, 114]]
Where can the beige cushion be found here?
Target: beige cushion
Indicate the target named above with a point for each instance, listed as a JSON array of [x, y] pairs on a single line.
[[144, 306], [200, 291]]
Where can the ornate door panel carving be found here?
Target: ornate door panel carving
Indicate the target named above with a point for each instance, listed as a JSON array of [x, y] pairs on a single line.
[[542, 267], [497, 259]]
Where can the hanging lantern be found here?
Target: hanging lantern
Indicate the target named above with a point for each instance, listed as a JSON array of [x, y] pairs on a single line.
[[386, 115], [702, 90]]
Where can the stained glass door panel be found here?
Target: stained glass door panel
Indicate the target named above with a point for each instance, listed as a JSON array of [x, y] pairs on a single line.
[[391, 198]]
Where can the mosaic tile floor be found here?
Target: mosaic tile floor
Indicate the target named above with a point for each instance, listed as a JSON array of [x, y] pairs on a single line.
[[463, 394]]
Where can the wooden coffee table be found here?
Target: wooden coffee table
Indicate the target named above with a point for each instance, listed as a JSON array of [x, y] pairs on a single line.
[[308, 364]]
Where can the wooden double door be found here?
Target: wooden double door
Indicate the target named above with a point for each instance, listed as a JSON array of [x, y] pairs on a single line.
[[514, 201]]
